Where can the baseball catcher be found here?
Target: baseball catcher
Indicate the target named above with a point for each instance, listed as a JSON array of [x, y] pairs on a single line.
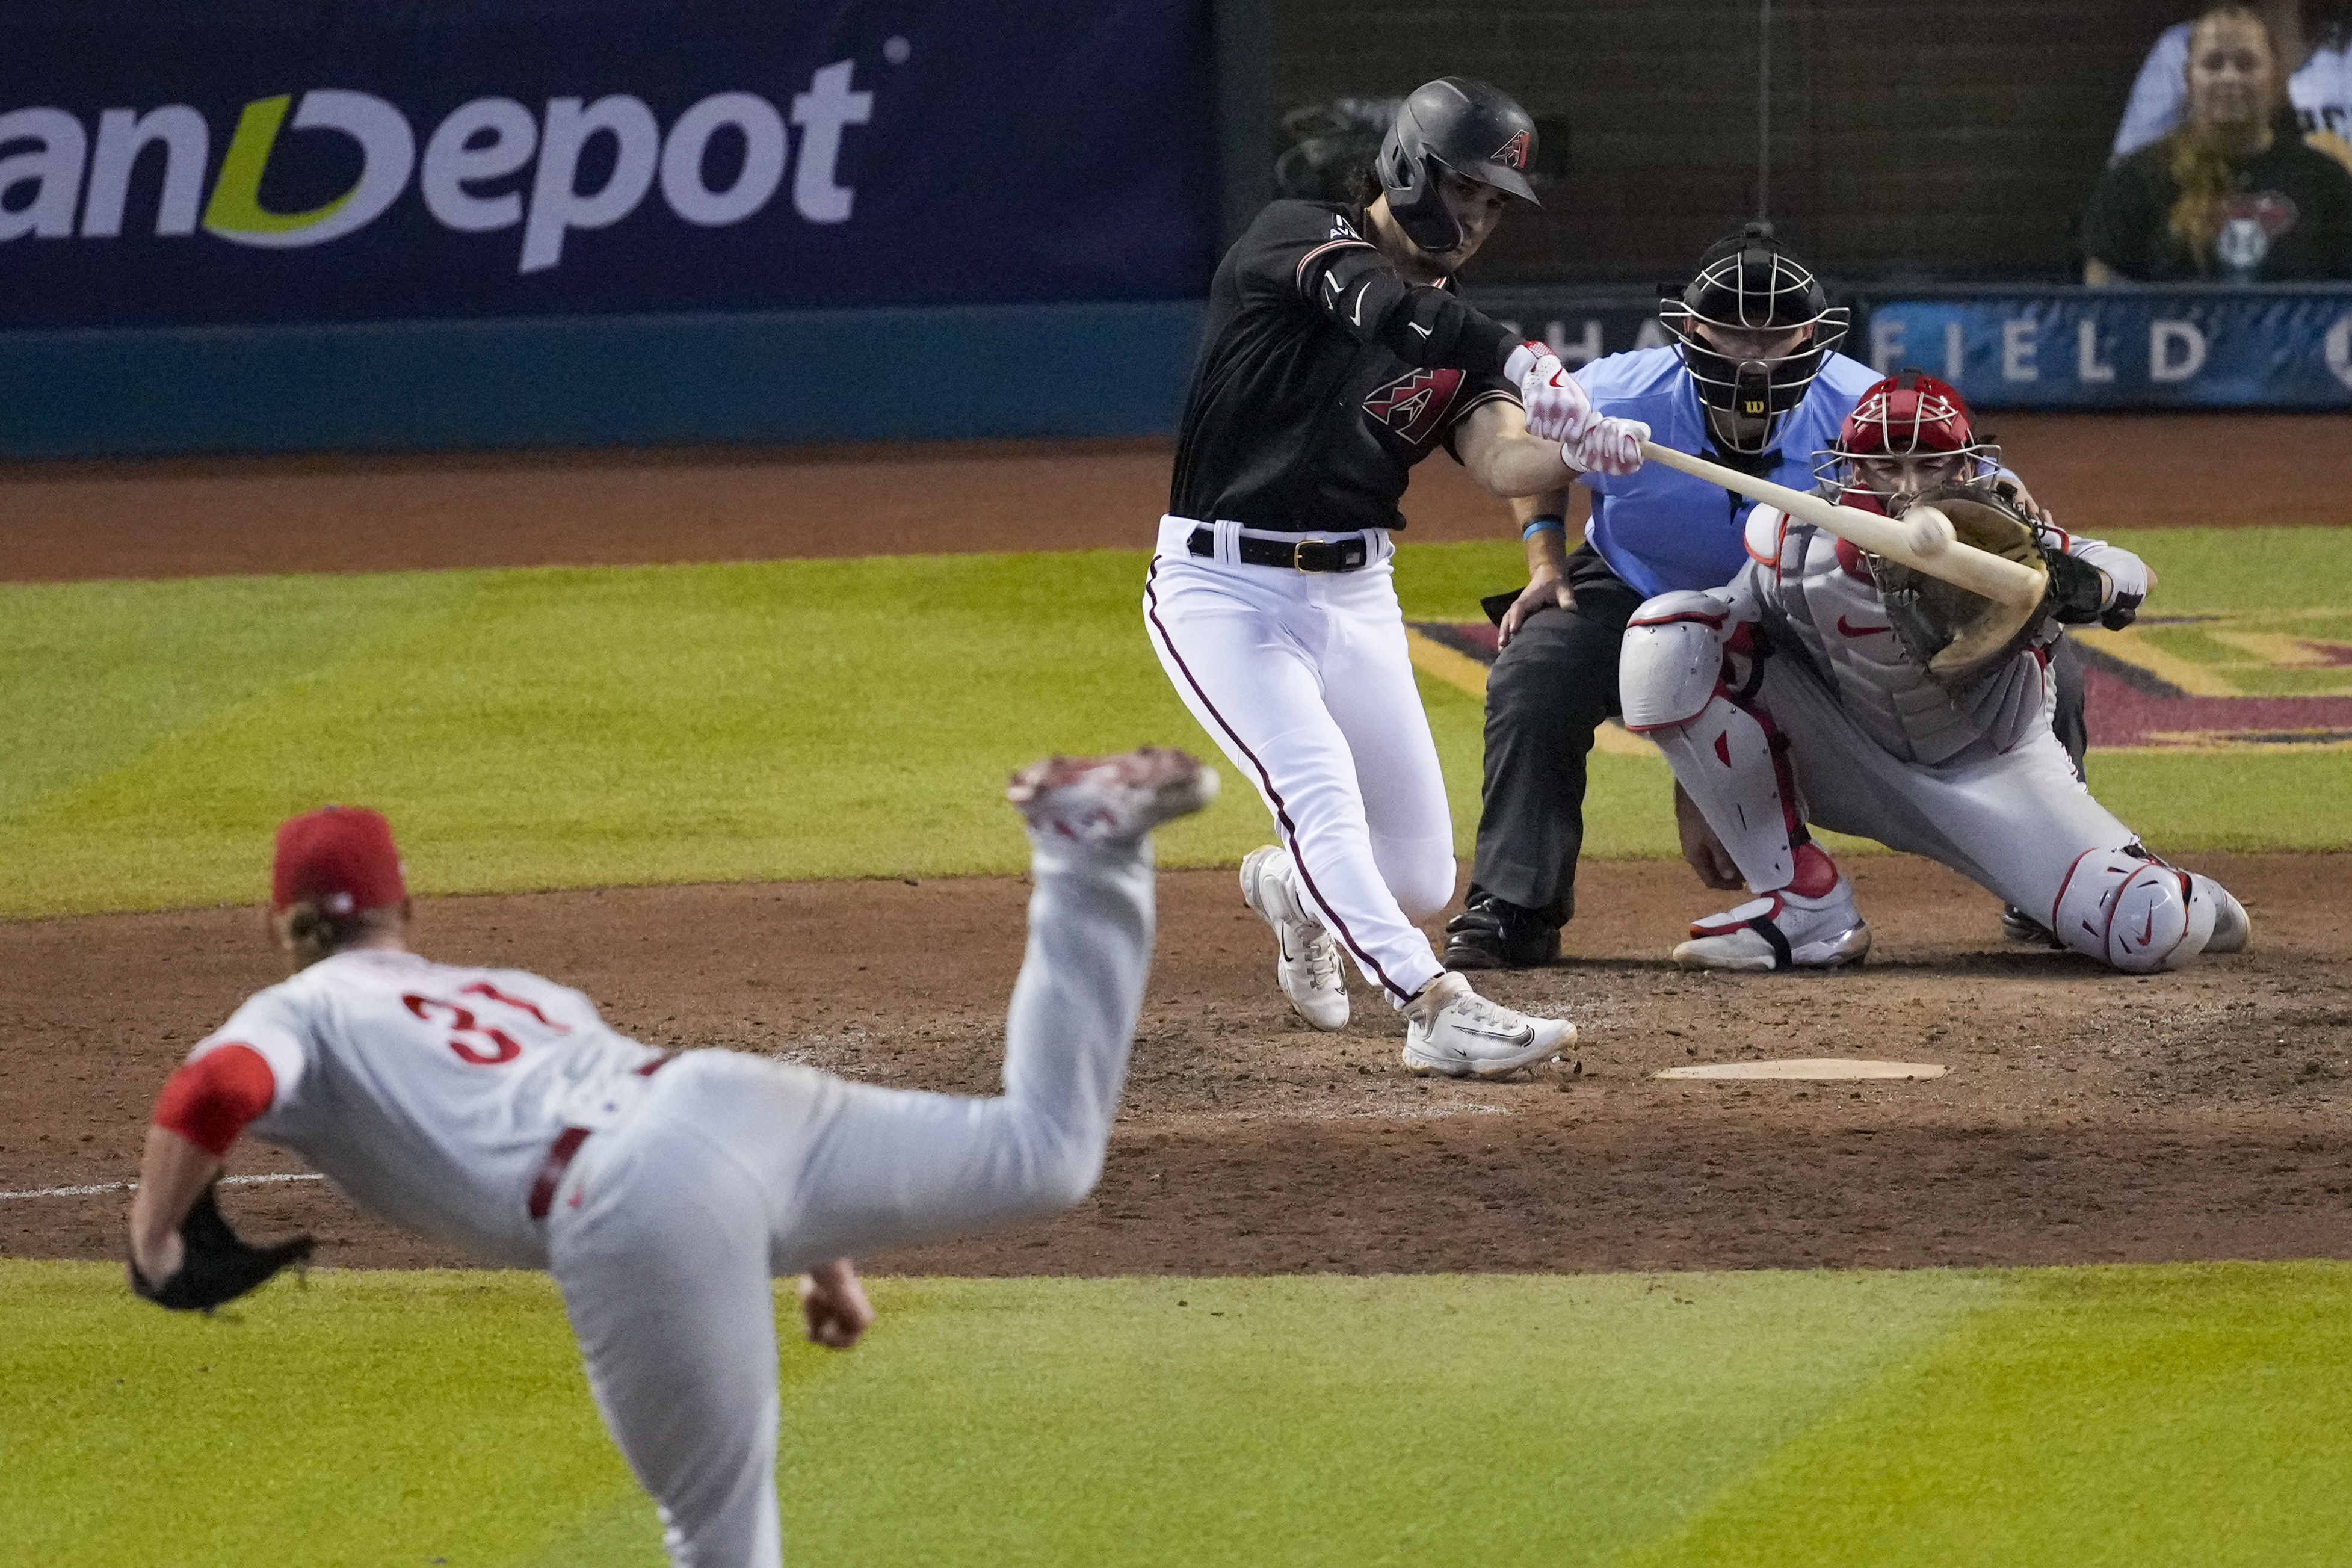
[[1825, 685]]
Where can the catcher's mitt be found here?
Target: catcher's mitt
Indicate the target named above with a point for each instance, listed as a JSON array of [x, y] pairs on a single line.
[[216, 1266], [1953, 634]]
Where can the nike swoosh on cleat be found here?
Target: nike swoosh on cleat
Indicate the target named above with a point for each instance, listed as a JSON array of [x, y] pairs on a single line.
[[1523, 1036], [2149, 934], [1854, 631]]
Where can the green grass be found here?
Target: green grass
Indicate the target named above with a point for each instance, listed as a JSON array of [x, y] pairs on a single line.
[[2183, 1414], [564, 728]]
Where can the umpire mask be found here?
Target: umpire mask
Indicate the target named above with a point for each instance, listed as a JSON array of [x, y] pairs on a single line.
[[1747, 284]]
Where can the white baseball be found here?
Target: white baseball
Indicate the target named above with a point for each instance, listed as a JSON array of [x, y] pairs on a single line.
[[1929, 528]]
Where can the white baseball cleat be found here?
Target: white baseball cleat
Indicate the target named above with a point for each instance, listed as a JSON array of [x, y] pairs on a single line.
[[1308, 965], [1111, 800], [1781, 931], [1454, 1032], [2232, 927]]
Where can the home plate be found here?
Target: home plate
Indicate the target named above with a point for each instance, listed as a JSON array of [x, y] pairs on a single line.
[[1811, 1070]]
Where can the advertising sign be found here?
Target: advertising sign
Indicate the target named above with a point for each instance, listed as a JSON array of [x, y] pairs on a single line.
[[2127, 348], [250, 163]]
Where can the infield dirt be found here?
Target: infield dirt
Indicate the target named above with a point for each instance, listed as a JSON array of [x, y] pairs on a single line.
[[2087, 1117]]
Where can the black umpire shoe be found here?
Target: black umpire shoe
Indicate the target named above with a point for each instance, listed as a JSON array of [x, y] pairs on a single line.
[[1491, 934]]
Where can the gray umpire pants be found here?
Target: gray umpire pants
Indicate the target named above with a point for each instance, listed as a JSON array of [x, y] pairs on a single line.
[[1551, 689], [734, 1169]]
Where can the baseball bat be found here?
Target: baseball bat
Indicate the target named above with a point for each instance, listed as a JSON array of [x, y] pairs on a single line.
[[1921, 539]]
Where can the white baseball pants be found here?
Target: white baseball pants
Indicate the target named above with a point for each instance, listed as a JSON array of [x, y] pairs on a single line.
[[1304, 680], [733, 1169]]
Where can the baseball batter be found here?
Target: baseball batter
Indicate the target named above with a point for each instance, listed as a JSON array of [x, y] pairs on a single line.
[[496, 1110], [1337, 356], [1827, 685]]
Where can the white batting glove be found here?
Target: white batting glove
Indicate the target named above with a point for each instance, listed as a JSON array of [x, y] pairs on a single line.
[[1557, 407], [1610, 446]]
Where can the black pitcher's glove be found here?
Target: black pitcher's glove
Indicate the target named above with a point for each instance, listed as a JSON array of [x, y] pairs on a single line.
[[215, 1266]]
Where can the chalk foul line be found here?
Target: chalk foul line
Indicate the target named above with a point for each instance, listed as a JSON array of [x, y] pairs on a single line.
[[126, 1187]]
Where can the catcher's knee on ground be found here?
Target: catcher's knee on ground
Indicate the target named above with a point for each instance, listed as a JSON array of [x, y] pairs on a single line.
[[2139, 915]]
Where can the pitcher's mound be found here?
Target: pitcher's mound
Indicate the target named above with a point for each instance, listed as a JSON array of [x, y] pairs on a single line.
[[1811, 1070]]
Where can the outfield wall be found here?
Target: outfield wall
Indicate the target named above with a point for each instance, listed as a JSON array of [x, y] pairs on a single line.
[[945, 372]]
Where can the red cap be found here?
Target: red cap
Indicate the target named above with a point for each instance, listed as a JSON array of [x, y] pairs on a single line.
[[338, 856]]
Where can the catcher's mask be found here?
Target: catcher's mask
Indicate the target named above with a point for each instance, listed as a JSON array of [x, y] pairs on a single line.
[[1910, 415], [1452, 124], [1747, 283]]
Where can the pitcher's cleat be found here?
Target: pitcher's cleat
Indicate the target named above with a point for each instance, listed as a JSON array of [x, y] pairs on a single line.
[[1452, 1031], [1306, 963], [1781, 931], [1111, 800]]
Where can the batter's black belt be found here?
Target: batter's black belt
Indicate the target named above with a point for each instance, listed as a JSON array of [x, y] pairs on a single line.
[[559, 1155], [1346, 553]]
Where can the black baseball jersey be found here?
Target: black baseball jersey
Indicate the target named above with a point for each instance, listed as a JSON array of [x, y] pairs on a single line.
[[1324, 377]]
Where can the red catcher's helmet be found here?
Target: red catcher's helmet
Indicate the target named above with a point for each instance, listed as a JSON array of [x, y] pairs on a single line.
[[1910, 414]]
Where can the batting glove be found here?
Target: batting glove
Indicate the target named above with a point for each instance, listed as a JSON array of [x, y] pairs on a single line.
[[1557, 407], [1610, 446]]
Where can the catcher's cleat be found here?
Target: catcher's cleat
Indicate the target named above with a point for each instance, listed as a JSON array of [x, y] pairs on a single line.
[[1781, 931], [2020, 927], [1492, 934], [1111, 800], [1451, 1031], [2231, 926], [1307, 965]]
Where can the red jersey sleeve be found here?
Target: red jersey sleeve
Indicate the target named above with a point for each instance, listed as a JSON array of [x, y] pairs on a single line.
[[209, 1100]]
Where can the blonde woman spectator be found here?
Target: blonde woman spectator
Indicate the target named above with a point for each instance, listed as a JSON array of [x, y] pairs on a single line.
[[2313, 39], [2224, 197]]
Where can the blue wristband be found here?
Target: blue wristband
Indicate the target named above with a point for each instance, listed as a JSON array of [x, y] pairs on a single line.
[[1543, 524]]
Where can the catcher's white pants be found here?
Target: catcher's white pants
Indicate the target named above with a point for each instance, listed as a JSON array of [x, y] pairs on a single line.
[[668, 1229], [1304, 680], [2012, 822]]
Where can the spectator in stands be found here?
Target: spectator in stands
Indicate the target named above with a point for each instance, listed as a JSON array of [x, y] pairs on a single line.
[[2314, 49], [2223, 196]]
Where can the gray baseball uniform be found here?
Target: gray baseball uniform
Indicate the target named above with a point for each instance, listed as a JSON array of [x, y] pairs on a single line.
[[497, 1111], [1787, 698]]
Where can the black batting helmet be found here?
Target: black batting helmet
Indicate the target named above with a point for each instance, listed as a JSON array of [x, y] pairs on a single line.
[[1746, 282], [1452, 124]]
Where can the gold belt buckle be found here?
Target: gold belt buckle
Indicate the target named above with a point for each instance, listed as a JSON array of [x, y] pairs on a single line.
[[1298, 555]]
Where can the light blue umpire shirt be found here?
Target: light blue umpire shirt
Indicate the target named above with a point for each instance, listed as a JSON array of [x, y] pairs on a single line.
[[1659, 529]]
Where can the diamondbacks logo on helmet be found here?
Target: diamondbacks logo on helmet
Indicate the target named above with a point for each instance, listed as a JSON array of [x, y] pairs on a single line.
[[1414, 405], [1447, 125]]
